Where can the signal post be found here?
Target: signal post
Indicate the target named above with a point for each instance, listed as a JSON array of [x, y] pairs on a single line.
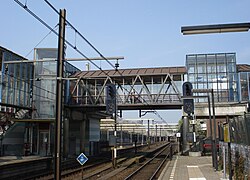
[[188, 107], [111, 108]]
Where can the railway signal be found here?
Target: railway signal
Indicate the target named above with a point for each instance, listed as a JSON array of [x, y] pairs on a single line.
[[110, 98], [187, 89], [188, 101]]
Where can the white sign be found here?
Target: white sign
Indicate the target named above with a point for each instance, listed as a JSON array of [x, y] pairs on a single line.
[[178, 135]]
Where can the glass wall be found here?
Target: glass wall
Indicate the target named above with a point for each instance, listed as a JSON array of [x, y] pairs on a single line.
[[214, 71], [244, 85], [45, 81], [16, 80]]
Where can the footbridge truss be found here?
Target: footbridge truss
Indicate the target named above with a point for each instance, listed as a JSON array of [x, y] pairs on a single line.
[[142, 88]]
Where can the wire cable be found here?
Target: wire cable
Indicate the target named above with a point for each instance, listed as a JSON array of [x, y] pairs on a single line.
[[71, 45], [28, 81], [85, 39], [28, 92], [49, 27], [41, 41]]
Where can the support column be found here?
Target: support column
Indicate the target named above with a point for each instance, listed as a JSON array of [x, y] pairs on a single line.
[[121, 134], [82, 135], [214, 138], [148, 138], [160, 134], [155, 133], [185, 131], [59, 90], [142, 137], [66, 137]]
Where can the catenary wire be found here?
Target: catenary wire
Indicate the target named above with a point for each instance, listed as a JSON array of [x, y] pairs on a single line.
[[28, 81], [84, 38], [71, 45], [28, 92], [40, 41], [49, 27]]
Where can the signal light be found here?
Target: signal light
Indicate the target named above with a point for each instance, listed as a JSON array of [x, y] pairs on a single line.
[[111, 91], [110, 98], [187, 89], [188, 101]]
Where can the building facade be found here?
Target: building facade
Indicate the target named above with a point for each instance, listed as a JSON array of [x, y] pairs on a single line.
[[229, 81], [244, 82], [214, 71], [28, 88]]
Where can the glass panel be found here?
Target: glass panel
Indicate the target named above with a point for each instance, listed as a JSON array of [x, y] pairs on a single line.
[[221, 59], [191, 60], [247, 123], [249, 89], [215, 71], [231, 67], [191, 78], [231, 58], [190, 69], [244, 86]]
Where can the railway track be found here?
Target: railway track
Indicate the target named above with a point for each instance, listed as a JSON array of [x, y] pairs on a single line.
[[102, 168], [106, 171], [152, 166], [145, 166], [125, 166]]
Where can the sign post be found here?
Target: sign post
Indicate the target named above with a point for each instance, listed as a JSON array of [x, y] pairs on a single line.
[[82, 159]]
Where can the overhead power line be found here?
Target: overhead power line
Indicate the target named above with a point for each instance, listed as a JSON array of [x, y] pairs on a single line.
[[41, 41], [77, 32], [71, 45], [52, 30]]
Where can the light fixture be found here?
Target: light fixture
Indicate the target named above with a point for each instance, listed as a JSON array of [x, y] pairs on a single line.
[[215, 28]]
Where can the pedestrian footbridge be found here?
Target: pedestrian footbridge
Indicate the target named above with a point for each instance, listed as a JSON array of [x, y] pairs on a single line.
[[142, 88]]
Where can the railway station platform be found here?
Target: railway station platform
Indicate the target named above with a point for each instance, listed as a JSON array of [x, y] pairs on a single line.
[[16, 159], [190, 168]]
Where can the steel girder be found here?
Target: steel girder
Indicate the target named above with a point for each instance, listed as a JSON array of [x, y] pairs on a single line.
[[131, 90]]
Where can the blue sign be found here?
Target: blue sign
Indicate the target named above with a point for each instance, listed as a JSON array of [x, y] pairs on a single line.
[[82, 159]]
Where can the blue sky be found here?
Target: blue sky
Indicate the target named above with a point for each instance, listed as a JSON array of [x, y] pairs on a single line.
[[146, 32]]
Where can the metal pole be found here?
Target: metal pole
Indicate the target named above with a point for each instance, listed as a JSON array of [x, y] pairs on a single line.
[[229, 152], [148, 141], [1, 145], [185, 131], [160, 133], [194, 138], [115, 134], [58, 124], [214, 140], [211, 133], [121, 137], [142, 137], [213, 148], [224, 161], [155, 133]]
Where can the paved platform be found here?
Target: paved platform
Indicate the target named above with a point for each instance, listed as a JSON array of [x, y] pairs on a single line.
[[4, 160], [190, 168]]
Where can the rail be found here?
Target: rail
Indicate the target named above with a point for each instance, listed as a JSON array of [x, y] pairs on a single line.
[[158, 160]]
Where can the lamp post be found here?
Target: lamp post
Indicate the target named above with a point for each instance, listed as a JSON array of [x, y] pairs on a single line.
[[213, 137], [215, 28]]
